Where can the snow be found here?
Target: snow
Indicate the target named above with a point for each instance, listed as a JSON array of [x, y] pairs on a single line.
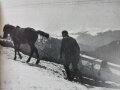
[[17, 75]]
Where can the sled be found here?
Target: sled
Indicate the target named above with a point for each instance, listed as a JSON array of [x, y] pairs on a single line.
[[94, 74]]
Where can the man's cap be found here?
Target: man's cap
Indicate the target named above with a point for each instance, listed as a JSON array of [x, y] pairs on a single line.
[[65, 32]]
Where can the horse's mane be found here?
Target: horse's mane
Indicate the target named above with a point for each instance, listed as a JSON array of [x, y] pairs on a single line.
[[43, 33]]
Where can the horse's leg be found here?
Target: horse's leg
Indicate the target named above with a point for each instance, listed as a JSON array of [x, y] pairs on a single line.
[[20, 56], [15, 56], [36, 51], [32, 50]]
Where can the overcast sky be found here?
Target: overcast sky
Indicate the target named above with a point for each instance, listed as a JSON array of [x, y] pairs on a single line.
[[54, 16]]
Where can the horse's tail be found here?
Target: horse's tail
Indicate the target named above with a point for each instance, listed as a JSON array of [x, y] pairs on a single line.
[[43, 33]]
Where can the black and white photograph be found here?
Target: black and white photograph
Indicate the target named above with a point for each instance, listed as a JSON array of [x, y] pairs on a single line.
[[59, 44]]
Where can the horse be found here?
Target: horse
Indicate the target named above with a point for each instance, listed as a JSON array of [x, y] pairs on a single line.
[[21, 36]]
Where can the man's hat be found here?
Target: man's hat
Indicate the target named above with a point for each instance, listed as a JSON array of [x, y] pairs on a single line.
[[65, 32]]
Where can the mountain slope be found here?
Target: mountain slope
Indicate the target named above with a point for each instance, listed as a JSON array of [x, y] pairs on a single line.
[[17, 75], [22, 76]]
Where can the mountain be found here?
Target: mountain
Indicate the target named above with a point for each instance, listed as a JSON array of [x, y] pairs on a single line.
[[18, 75], [85, 48], [45, 76], [110, 52], [98, 40]]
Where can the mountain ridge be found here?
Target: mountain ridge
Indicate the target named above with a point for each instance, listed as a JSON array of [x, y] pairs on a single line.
[[96, 41]]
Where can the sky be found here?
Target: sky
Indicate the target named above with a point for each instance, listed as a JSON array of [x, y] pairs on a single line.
[[53, 16]]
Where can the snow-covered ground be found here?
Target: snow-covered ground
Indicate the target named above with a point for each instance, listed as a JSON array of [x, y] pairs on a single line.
[[16, 75]]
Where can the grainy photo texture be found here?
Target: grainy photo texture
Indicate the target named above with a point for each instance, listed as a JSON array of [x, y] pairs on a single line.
[[60, 45]]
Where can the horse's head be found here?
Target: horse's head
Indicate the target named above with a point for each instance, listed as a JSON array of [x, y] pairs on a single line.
[[17, 27], [7, 30]]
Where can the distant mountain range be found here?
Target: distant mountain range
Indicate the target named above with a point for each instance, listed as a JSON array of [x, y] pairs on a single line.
[[99, 40], [105, 46]]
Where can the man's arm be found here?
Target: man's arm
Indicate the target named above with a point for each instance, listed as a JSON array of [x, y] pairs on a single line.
[[77, 48]]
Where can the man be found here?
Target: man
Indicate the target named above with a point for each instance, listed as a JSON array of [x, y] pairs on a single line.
[[70, 52]]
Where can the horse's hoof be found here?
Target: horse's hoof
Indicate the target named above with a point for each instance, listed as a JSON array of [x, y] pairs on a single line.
[[20, 57], [14, 59], [37, 63], [27, 61]]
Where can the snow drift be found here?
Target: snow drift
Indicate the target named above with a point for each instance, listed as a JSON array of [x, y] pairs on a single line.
[[17, 75]]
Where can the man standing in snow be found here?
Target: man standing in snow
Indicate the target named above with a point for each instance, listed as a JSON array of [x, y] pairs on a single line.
[[70, 52]]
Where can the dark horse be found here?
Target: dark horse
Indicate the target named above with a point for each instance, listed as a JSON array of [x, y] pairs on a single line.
[[22, 36]]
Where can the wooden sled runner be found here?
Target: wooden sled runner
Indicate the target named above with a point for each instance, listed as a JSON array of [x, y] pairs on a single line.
[[94, 73]]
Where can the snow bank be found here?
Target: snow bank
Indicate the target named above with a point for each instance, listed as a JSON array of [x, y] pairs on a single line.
[[46, 76]]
